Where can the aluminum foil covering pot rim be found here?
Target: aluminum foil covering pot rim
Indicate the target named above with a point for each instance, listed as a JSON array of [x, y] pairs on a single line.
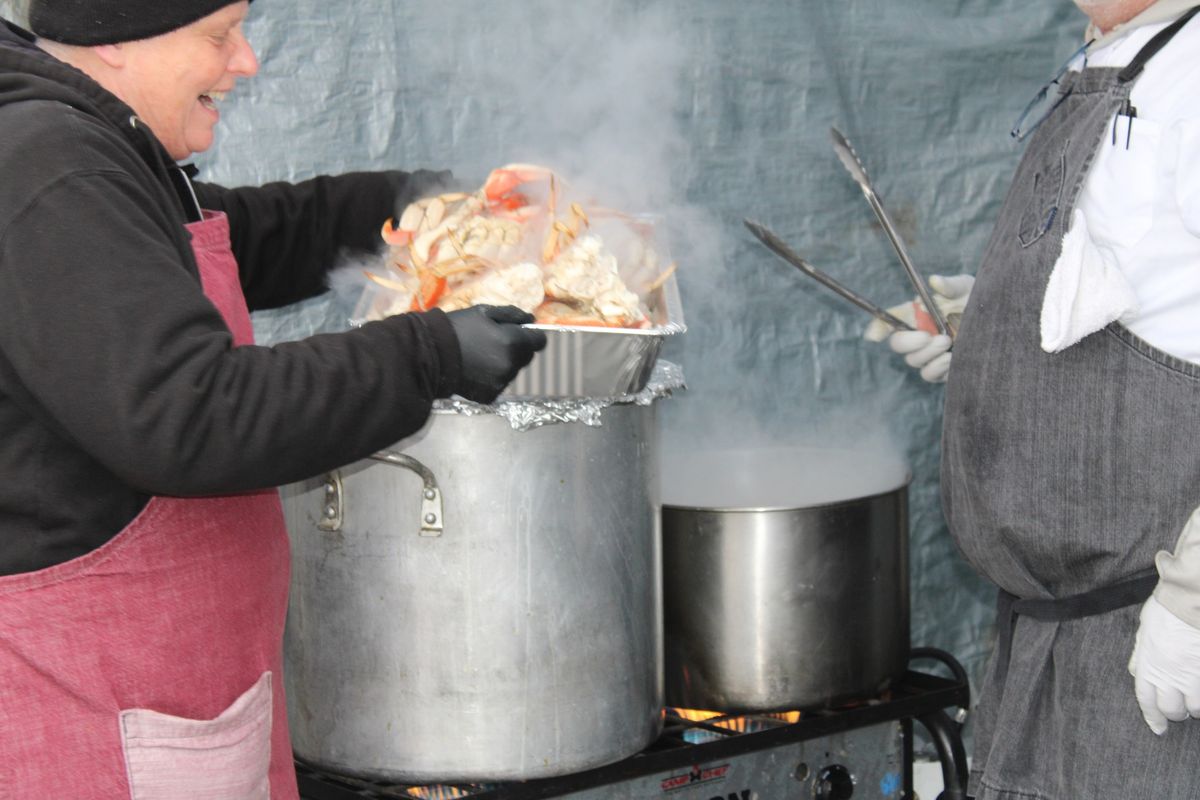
[[527, 413]]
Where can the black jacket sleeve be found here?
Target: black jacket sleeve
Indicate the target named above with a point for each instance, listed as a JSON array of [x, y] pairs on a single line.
[[286, 237], [108, 340]]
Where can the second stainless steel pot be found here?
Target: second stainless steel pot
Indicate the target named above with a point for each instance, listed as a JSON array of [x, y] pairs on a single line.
[[773, 607]]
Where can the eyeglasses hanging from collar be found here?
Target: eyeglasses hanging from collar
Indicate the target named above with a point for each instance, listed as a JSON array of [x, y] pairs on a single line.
[[1019, 130]]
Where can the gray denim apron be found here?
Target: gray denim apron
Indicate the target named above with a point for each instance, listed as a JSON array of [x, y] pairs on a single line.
[[1062, 475]]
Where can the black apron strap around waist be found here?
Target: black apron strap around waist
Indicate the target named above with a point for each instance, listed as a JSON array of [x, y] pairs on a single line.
[[1130, 591]]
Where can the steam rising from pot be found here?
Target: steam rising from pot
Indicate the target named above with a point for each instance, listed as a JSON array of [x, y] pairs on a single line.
[[602, 92], [778, 477]]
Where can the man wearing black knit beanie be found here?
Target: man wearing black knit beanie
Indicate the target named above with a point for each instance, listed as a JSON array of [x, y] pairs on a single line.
[[92, 22], [143, 556]]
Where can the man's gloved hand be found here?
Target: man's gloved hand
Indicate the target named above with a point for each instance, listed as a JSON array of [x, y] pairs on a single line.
[[925, 349], [494, 348], [1165, 666]]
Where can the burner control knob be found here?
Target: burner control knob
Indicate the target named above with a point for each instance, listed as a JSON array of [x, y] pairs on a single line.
[[833, 783]]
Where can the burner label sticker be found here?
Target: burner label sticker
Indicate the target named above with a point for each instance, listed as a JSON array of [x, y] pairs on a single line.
[[698, 776], [890, 784]]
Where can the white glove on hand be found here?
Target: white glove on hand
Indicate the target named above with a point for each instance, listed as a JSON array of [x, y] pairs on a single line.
[[1165, 666], [925, 349]]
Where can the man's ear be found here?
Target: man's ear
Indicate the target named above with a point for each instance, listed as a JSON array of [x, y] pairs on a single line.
[[111, 54]]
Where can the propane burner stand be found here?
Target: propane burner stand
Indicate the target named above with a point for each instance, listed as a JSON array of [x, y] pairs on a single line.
[[865, 750]]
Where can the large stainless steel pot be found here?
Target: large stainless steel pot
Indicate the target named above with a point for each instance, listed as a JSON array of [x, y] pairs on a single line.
[[778, 593], [481, 604]]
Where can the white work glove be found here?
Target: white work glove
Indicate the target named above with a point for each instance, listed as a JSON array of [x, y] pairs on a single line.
[[925, 349], [1165, 666]]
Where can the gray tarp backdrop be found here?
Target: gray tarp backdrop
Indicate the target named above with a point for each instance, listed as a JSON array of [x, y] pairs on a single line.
[[707, 111]]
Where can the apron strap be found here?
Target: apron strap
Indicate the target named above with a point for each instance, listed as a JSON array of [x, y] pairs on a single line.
[[1103, 600], [1127, 592], [1135, 67]]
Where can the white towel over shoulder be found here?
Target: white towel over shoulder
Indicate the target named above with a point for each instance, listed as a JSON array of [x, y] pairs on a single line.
[[1086, 291]]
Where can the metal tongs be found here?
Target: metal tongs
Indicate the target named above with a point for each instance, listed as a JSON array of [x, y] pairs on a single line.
[[777, 246], [849, 158]]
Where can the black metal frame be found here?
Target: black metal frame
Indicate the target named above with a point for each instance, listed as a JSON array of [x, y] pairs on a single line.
[[916, 696]]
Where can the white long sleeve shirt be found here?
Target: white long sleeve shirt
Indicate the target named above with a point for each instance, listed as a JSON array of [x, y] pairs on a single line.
[[1137, 250]]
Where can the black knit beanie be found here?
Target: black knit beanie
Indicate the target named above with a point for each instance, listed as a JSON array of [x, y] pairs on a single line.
[[92, 22]]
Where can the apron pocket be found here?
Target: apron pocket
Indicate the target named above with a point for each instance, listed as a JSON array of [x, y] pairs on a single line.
[[227, 758], [1045, 199]]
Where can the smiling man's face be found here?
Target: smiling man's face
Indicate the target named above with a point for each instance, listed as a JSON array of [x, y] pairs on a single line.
[[175, 81]]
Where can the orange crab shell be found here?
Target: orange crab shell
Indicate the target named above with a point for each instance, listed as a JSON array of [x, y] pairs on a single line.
[[500, 188], [430, 292], [397, 237]]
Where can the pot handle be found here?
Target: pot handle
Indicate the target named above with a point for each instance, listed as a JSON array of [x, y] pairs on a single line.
[[331, 509], [431, 495]]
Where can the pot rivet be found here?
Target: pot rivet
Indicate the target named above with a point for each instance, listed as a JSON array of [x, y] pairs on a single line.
[[430, 519], [430, 494], [330, 512]]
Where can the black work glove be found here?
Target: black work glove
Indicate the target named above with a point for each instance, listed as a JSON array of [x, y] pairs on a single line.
[[494, 348]]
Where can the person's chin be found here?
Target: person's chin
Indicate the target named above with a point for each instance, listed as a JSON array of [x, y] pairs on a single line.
[[198, 144]]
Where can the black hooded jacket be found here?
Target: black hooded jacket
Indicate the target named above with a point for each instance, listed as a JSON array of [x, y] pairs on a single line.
[[118, 378]]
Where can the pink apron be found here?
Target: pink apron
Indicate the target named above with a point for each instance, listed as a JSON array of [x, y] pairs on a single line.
[[150, 668]]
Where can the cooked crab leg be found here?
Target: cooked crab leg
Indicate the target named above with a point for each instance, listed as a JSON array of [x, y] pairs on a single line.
[[658, 282]]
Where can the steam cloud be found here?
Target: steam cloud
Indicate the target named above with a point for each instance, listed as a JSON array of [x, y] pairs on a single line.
[[617, 96], [602, 95]]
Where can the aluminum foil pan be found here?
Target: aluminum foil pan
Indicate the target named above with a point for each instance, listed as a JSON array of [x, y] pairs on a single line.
[[582, 361]]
